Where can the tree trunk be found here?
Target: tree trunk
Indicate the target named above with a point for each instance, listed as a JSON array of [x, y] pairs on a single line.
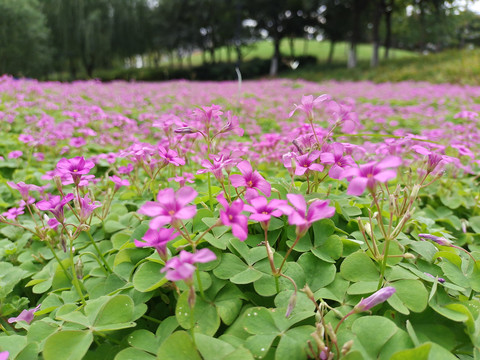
[[423, 30], [238, 49], [292, 47], [388, 28], [305, 46], [229, 54], [276, 57], [212, 55], [330, 52], [377, 15], [352, 53]]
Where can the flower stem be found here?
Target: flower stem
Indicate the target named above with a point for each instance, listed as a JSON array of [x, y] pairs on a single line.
[[58, 260], [287, 254], [99, 252], [384, 263], [199, 281], [75, 281]]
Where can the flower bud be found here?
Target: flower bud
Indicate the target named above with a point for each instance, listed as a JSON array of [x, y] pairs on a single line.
[[306, 289], [346, 347], [191, 297], [414, 192], [79, 269], [377, 298], [185, 130], [331, 333], [291, 304]]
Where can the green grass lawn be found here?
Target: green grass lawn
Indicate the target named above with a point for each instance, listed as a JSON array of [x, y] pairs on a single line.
[[320, 49]]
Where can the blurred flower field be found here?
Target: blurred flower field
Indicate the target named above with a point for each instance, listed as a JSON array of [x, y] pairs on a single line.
[[271, 219]]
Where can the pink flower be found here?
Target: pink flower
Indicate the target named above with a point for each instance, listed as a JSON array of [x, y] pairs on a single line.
[[250, 179], [4, 355], [437, 239], [262, 210], [231, 215], [86, 207], [23, 188], [215, 169], [119, 182], [344, 115], [308, 104], [170, 156], [39, 156], [15, 154], [170, 207], [182, 268], [25, 315], [377, 298], [207, 113], [158, 239], [306, 162], [13, 213], [55, 205], [77, 142], [76, 167], [368, 175], [232, 125], [25, 138], [337, 160], [125, 169], [435, 161], [302, 218], [52, 223], [186, 177]]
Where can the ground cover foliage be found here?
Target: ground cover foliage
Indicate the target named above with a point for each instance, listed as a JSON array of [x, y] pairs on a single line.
[[186, 220]]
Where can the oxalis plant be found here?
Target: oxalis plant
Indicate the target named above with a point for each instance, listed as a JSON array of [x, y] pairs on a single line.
[[193, 233]]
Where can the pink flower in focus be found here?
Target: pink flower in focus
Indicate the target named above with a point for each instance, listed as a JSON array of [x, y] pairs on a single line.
[[367, 176], [158, 239], [55, 205], [182, 268], [306, 162], [25, 315], [308, 104], [170, 156], [231, 215], [250, 179], [76, 167], [86, 207], [170, 207], [262, 210], [302, 218], [337, 160]]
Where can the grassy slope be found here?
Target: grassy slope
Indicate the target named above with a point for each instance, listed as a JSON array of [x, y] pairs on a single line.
[[453, 66]]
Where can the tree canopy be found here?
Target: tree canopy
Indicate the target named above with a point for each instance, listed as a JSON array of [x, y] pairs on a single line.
[[41, 36]]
